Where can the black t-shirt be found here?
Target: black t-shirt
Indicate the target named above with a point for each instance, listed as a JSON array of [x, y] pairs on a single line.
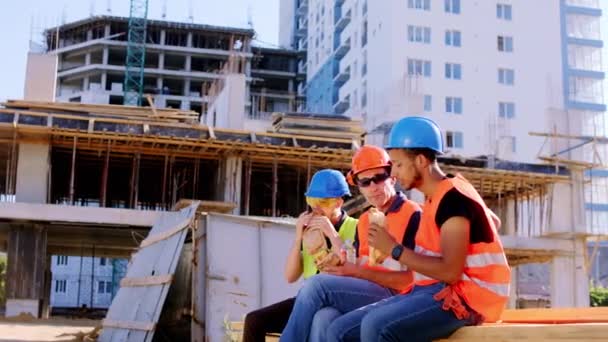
[[454, 204]]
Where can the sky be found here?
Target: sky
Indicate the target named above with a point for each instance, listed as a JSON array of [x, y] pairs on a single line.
[[22, 19]]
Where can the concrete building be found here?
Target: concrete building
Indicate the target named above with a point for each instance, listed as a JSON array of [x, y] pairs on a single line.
[[85, 281], [181, 62]]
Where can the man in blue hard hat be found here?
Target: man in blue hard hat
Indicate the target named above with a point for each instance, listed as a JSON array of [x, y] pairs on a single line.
[[460, 271], [325, 197]]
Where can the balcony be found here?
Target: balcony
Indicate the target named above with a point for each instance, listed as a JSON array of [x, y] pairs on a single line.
[[342, 77], [341, 21], [342, 105], [341, 49], [302, 67], [302, 27], [301, 89], [302, 8], [303, 43]]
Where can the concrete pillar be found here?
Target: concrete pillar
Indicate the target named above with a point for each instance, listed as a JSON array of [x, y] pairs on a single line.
[[159, 84], [569, 281], [106, 56], [104, 80], [248, 68], [290, 86], [186, 91], [189, 40], [32, 173], [188, 65], [26, 259], [230, 172], [163, 36], [89, 34], [106, 31], [85, 83], [161, 60], [87, 58]]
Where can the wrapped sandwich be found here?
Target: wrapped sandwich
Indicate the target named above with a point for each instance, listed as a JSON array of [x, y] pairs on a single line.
[[376, 217], [316, 245]]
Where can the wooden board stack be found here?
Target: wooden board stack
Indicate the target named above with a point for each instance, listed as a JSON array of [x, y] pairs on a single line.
[[107, 111], [320, 125]]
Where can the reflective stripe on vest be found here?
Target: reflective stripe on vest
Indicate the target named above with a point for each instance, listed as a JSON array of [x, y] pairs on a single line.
[[476, 260], [346, 232]]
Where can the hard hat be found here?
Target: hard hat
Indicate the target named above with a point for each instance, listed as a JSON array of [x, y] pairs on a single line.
[[415, 132], [366, 158], [327, 183]]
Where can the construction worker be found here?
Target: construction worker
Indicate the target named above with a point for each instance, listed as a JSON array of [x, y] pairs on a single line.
[[324, 197], [461, 275], [351, 286]]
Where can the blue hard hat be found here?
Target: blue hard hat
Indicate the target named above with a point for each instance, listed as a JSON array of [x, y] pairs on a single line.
[[415, 132], [327, 183]]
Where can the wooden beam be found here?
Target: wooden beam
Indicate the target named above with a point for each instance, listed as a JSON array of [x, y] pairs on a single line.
[[146, 281], [73, 172], [150, 240], [164, 189], [275, 183], [104, 177], [196, 171], [130, 325], [247, 185]]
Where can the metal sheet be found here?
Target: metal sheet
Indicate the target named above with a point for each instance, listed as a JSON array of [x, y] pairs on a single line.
[[245, 262]]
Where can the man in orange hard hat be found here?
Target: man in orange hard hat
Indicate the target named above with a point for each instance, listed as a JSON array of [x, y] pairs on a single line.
[[351, 286]]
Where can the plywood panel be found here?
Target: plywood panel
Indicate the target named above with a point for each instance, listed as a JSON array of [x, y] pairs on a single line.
[[142, 305]]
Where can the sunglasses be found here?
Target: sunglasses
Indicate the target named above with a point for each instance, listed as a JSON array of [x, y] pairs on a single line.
[[377, 179]]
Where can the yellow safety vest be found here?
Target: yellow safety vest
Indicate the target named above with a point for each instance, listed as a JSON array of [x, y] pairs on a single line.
[[346, 232]]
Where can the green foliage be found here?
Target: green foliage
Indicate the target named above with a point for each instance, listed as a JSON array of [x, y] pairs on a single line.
[[598, 296], [2, 279]]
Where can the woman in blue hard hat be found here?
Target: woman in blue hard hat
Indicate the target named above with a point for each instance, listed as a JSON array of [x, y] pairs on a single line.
[[325, 199]]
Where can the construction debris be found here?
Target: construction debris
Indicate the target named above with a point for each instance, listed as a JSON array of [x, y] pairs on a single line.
[[320, 125]]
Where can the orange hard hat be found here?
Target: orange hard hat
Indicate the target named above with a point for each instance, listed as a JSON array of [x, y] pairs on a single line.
[[366, 158]]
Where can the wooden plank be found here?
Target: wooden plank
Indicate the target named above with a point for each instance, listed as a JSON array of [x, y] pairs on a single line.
[[532, 332], [152, 239], [131, 325], [146, 281], [556, 315]]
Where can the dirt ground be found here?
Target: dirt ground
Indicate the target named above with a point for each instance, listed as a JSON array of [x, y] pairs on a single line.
[[45, 330]]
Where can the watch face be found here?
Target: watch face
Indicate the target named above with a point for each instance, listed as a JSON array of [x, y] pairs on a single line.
[[396, 253]]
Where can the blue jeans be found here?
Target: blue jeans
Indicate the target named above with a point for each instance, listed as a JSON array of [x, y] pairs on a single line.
[[412, 317], [344, 294], [321, 322]]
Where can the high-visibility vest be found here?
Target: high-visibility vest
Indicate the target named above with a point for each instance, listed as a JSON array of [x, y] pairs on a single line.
[[346, 232], [484, 284], [396, 222]]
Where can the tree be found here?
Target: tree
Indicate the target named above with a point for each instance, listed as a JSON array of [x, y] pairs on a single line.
[[598, 296], [2, 279]]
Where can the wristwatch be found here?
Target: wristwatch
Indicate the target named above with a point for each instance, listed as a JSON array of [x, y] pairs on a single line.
[[397, 251]]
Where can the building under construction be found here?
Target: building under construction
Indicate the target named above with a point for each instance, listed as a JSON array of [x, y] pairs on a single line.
[[182, 61]]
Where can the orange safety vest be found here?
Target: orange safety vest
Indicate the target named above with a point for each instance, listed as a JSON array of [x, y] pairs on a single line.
[[397, 222], [485, 281]]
